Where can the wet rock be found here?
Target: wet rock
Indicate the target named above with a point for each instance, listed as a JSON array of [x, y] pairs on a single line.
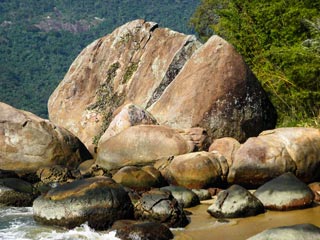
[[275, 152], [219, 94], [203, 194], [141, 145], [133, 64], [139, 178], [285, 192], [160, 206], [90, 169], [54, 174], [185, 197], [133, 230], [193, 170], [295, 232], [99, 201], [16, 192], [235, 202], [28, 142]]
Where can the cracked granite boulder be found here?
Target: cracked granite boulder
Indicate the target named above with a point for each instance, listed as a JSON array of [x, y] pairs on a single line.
[[160, 206], [28, 142], [133, 64], [181, 82]]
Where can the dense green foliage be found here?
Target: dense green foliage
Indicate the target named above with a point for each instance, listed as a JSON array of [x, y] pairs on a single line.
[[34, 60], [280, 41]]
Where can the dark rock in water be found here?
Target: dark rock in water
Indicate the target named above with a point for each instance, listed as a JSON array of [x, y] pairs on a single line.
[[99, 201], [294, 232], [235, 202], [133, 230], [160, 206], [184, 196], [139, 178], [285, 192], [16, 192]]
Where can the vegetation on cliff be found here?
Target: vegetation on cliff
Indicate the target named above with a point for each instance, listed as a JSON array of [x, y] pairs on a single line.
[[280, 40]]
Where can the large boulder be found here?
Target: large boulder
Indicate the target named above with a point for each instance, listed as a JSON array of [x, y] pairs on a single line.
[[226, 146], [305, 231], [28, 142], [98, 200], [194, 170], [235, 202], [275, 152], [216, 90], [285, 192], [141, 145], [185, 197], [133, 64]]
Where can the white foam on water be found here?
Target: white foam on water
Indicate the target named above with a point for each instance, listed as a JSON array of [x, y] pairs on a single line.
[[18, 224]]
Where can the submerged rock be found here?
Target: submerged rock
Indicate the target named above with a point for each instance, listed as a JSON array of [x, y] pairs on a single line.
[[134, 230], [16, 192], [99, 201], [235, 202], [285, 192], [294, 232]]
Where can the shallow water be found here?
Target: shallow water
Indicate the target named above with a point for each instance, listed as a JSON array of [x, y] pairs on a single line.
[[204, 227], [18, 224]]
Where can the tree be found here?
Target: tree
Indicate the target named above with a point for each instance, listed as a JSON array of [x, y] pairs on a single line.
[[279, 40]]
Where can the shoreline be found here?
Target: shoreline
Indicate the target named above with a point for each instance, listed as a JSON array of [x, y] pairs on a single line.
[[202, 225]]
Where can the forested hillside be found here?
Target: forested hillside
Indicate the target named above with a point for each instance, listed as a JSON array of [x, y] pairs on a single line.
[[39, 39], [280, 41]]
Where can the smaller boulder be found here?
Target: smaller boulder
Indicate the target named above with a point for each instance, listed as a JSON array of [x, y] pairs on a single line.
[[16, 192], [132, 230], [139, 178], [160, 206], [141, 145], [184, 196], [235, 202], [315, 187], [130, 115], [203, 194], [226, 146], [285, 192], [192, 170], [294, 232]]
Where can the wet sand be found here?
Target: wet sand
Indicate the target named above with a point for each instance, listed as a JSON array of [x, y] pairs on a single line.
[[205, 227]]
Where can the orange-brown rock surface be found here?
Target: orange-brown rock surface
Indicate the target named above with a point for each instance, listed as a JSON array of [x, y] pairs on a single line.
[[216, 91], [28, 142], [133, 64], [275, 152]]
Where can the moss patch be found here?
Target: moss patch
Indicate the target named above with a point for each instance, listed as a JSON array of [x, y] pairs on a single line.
[[131, 69]]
